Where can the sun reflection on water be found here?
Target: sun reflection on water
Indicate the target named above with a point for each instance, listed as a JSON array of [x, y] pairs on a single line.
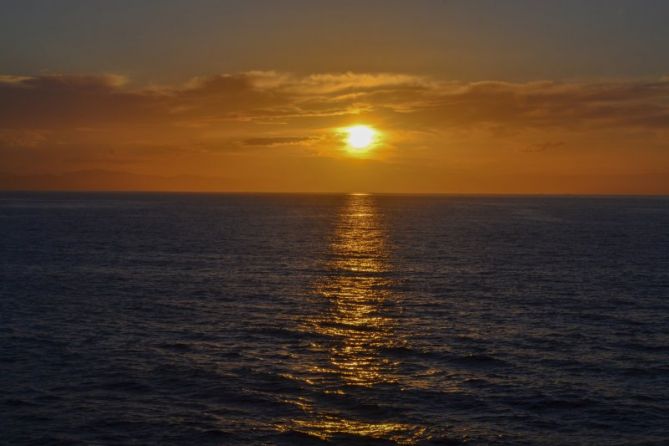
[[358, 289], [356, 329]]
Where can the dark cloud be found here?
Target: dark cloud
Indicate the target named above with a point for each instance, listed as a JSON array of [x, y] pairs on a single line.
[[22, 138], [277, 141], [72, 101], [546, 104], [543, 146]]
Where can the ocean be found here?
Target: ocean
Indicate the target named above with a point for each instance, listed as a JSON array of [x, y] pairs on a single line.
[[222, 319]]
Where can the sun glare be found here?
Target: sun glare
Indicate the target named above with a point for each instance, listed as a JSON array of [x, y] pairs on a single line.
[[360, 138]]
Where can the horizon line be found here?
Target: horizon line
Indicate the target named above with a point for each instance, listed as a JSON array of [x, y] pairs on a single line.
[[425, 194]]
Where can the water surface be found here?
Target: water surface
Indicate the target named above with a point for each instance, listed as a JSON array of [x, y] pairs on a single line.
[[180, 319]]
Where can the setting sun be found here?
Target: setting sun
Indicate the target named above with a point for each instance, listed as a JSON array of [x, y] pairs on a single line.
[[360, 138]]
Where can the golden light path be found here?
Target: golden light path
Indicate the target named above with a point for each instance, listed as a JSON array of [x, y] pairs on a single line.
[[355, 329]]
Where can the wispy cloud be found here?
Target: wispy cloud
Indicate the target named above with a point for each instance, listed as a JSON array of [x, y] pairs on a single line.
[[278, 141]]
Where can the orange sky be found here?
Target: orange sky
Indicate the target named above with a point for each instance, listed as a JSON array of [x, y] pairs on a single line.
[[269, 131], [276, 129]]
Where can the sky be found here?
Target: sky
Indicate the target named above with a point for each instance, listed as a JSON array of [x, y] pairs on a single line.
[[568, 97]]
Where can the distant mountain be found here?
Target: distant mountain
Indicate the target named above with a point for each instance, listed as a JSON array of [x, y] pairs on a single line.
[[106, 180]]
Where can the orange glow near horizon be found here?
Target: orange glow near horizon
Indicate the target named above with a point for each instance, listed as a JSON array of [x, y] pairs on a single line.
[[278, 132]]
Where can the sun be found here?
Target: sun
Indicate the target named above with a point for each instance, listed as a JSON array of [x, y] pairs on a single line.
[[360, 138]]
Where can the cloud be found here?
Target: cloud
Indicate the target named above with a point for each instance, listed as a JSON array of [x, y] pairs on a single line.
[[67, 101], [278, 141], [543, 146], [22, 138], [90, 100], [331, 83], [634, 104]]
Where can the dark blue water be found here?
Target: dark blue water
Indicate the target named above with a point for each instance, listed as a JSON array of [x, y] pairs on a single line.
[[305, 320]]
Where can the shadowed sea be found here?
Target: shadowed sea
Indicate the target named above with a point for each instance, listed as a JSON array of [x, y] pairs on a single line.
[[179, 319]]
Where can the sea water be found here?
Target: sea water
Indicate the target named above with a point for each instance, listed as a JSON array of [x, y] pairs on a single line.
[[181, 319]]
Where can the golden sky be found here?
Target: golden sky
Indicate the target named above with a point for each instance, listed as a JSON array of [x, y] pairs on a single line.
[[280, 130]]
